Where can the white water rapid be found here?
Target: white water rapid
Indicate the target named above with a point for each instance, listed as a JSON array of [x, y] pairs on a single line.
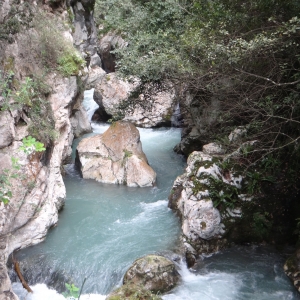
[[104, 228]]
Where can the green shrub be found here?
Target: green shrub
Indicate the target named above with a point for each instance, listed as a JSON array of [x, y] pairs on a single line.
[[70, 63]]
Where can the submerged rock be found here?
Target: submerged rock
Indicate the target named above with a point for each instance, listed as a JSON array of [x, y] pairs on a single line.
[[155, 273], [116, 157]]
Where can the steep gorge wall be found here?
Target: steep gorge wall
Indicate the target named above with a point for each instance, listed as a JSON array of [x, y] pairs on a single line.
[[38, 191]]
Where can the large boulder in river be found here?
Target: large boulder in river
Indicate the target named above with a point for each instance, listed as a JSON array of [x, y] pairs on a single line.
[[155, 273], [209, 202], [116, 157], [124, 99]]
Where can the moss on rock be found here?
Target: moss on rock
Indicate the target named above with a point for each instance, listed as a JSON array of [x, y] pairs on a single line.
[[132, 292]]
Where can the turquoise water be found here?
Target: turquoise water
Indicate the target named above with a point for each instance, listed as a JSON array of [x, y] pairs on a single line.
[[104, 228]]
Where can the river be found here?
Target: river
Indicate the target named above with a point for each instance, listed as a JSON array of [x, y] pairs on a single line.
[[103, 228]]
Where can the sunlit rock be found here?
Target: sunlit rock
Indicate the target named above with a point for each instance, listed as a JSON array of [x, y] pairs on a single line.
[[116, 157]]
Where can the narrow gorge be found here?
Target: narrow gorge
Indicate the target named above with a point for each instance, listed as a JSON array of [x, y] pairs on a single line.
[[117, 157]]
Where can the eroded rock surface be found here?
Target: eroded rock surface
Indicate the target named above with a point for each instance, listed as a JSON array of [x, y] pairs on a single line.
[[197, 196], [108, 43], [155, 273], [115, 97], [116, 157]]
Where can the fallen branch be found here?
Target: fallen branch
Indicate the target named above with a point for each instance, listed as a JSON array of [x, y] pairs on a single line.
[[18, 271]]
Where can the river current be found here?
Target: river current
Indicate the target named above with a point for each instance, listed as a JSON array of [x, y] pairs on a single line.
[[103, 228]]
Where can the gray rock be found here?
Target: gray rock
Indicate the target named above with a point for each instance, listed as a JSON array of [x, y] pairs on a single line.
[[155, 273], [213, 149], [6, 292], [95, 61], [112, 94], [202, 222], [80, 122], [7, 129], [237, 133], [108, 43], [85, 34]]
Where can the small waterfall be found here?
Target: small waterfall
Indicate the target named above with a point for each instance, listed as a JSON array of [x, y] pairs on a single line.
[[89, 104], [176, 119]]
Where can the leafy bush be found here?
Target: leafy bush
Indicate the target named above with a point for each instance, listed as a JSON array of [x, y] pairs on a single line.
[[70, 63], [31, 145], [31, 97]]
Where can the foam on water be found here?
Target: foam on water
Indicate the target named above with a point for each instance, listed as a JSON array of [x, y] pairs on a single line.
[[99, 127], [42, 292], [104, 228], [89, 104], [154, 205]]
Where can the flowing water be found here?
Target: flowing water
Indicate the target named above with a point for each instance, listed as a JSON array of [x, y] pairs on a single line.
[[103, 228]]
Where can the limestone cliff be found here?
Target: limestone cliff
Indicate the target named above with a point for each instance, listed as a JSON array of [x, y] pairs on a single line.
[[39, 97]]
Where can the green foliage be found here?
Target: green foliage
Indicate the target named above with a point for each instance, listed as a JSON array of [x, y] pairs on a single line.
[[31, 145], [72, 291], [5, 88], [5, 181], [31, 97], [254, 181], [70, 63], [222, 193], [151, 29], [262, 223]]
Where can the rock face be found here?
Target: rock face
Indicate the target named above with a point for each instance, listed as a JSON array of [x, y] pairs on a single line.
[[38, 192], [205, 197], [79, 121], [5, 285], [37, 198], [197, 121], [85, 34], [113, 95], [155, 273], [108, 43], [116, 157], [7, 129], [154, 109]]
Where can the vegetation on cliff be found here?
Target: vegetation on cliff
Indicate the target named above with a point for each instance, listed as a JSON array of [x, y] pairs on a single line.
[[244, 56], [32, 46]]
